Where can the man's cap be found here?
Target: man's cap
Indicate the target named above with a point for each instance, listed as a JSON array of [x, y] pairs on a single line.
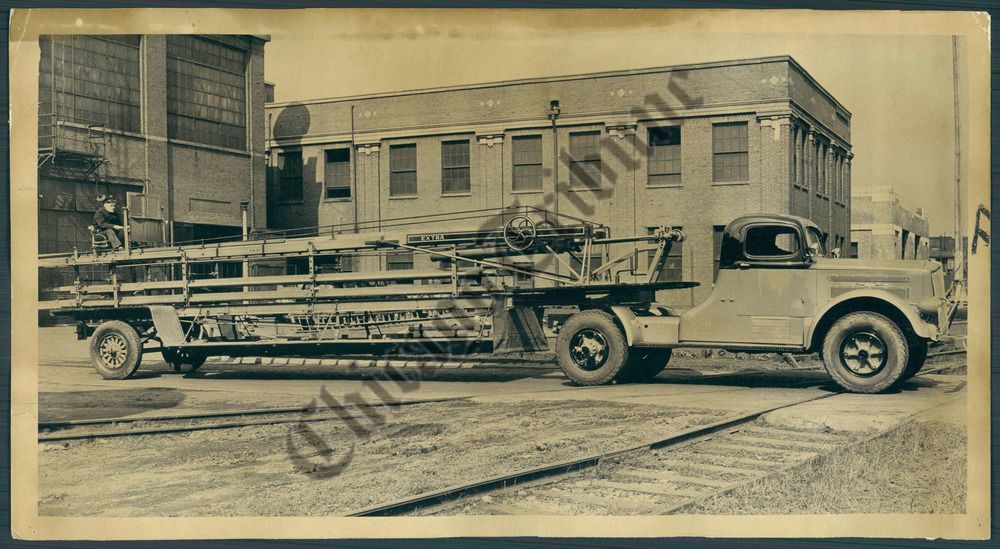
[[109, 200]]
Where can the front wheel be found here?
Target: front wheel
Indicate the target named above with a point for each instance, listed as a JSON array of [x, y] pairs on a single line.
[[865, 352], [115, 350], [592, 349]]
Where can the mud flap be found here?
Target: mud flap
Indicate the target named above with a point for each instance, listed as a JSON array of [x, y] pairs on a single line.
[[168, 325], [517, 329]]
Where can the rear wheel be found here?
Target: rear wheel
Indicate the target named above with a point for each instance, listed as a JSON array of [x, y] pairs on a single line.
[[179, 359], [115, 350], [645, 364], [865, 352], [592, 349]]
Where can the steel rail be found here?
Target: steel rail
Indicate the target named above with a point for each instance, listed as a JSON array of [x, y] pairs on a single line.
[[435, 497]]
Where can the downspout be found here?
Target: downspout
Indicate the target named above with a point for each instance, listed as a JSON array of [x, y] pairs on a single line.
[[354, 173]]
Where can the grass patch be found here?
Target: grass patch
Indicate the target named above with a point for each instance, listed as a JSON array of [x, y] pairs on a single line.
[[919, 467]]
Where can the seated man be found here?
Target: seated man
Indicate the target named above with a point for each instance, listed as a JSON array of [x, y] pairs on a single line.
[[109, 223]]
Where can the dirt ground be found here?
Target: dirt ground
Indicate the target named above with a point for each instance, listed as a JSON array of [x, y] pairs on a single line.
[[247, 471]]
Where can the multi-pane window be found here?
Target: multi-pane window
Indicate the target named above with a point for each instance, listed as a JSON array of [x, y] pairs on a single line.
[[585, 159], [399, 261], [403, 170], [672, 268], [717, 232], [664, 156], [338, 174], [522, 280], [527, 153], [730, 156], [206, 91], [815, 171], [455, 167], [595, 263], [796, 156], [89, 80], [290, 177], [821, 184]]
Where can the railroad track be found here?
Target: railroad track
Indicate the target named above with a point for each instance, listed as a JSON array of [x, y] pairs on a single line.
[[49, 431]]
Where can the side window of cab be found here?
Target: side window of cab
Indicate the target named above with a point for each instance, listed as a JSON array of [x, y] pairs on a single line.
[[772, 242]]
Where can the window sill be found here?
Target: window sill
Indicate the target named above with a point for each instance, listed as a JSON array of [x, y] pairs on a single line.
[[404, 197], [338, 200], [671, 186], [527, 191], [729, 183], [584, 189], [449, 195]]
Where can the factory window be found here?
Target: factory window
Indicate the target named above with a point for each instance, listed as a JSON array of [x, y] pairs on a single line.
[[664, 156], [854, 250], [206, 92], [822, 182], [403, 170], [89, 80], [717, 232], [338, 174], [455, 167], [796, 155], [815, 167], [527, 163], [585, 160], [672, 268], [522, 280], [595, 263], [290, 177], [730, 157], [399, 261]]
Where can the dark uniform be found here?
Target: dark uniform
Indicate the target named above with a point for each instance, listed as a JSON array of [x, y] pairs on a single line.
[[104, 222]]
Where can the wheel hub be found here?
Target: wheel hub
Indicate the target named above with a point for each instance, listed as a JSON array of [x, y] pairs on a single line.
[[113, 351], [589, 349], [864, 354]]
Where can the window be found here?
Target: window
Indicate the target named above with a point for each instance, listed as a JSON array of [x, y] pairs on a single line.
[[664, 156], [527, 163], [334, 264], [206, 91], [403, 170], [816, 238], [585, 160], [89, 80], [822, 182], [717, 232], [290, 177], [815, 170], [399, 261], [338, 174], [455, 167], [770, 241], [854, 250], [795, 155], [672, 264], [522, 280], [730, 159], [595, 263]]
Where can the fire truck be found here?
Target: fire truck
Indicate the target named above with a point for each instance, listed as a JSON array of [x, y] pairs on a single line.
[[776, 291]]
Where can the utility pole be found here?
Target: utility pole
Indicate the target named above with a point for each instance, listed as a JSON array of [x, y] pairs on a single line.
[[958, 159]]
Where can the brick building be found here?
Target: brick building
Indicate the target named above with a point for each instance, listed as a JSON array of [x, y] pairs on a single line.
[[172, 126], [689, 146], [881, 228]]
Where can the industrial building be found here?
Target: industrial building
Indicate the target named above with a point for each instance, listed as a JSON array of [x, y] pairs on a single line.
[[690, 146], [882, 228], [171, 126]]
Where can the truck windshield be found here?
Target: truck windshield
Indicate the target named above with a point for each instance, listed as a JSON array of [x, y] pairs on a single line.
[[813, 236]]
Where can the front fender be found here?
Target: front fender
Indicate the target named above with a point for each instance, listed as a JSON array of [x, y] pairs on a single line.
[[919, 326]]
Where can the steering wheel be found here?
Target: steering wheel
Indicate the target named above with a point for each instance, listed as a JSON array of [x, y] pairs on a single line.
[[519, 233]]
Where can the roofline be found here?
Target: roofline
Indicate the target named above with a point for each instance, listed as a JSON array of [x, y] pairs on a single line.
[[562, 78]]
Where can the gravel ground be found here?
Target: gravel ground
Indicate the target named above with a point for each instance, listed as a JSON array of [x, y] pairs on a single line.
[[247, 471]]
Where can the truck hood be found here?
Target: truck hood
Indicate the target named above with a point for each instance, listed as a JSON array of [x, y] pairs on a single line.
[[879, 265]]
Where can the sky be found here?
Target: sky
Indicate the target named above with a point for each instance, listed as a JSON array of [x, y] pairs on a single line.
[[898, 87]]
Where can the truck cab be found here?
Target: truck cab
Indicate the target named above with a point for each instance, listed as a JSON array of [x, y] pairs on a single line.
[[778, 291]]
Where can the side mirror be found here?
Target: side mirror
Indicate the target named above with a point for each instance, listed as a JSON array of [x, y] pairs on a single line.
[[812, 251]]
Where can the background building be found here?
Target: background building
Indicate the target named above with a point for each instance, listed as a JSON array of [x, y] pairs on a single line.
[[881, 228], [689, 146], [172, 126]]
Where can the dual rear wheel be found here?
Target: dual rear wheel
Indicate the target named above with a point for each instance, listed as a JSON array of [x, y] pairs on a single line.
[[592, 350]]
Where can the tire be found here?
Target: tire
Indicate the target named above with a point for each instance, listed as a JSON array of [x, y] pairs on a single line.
[[865, 352], [918, 355], [178, 359], [592, 349], [644, 364], [115, 350]]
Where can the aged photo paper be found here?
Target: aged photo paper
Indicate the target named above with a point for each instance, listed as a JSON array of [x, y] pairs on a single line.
[[364, 273]]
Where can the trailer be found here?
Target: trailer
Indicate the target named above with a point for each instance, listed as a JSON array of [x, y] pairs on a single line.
[[469, 303], [777, 290]]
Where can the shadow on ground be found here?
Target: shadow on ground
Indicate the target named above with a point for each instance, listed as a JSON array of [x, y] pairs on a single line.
[[105, 403]]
